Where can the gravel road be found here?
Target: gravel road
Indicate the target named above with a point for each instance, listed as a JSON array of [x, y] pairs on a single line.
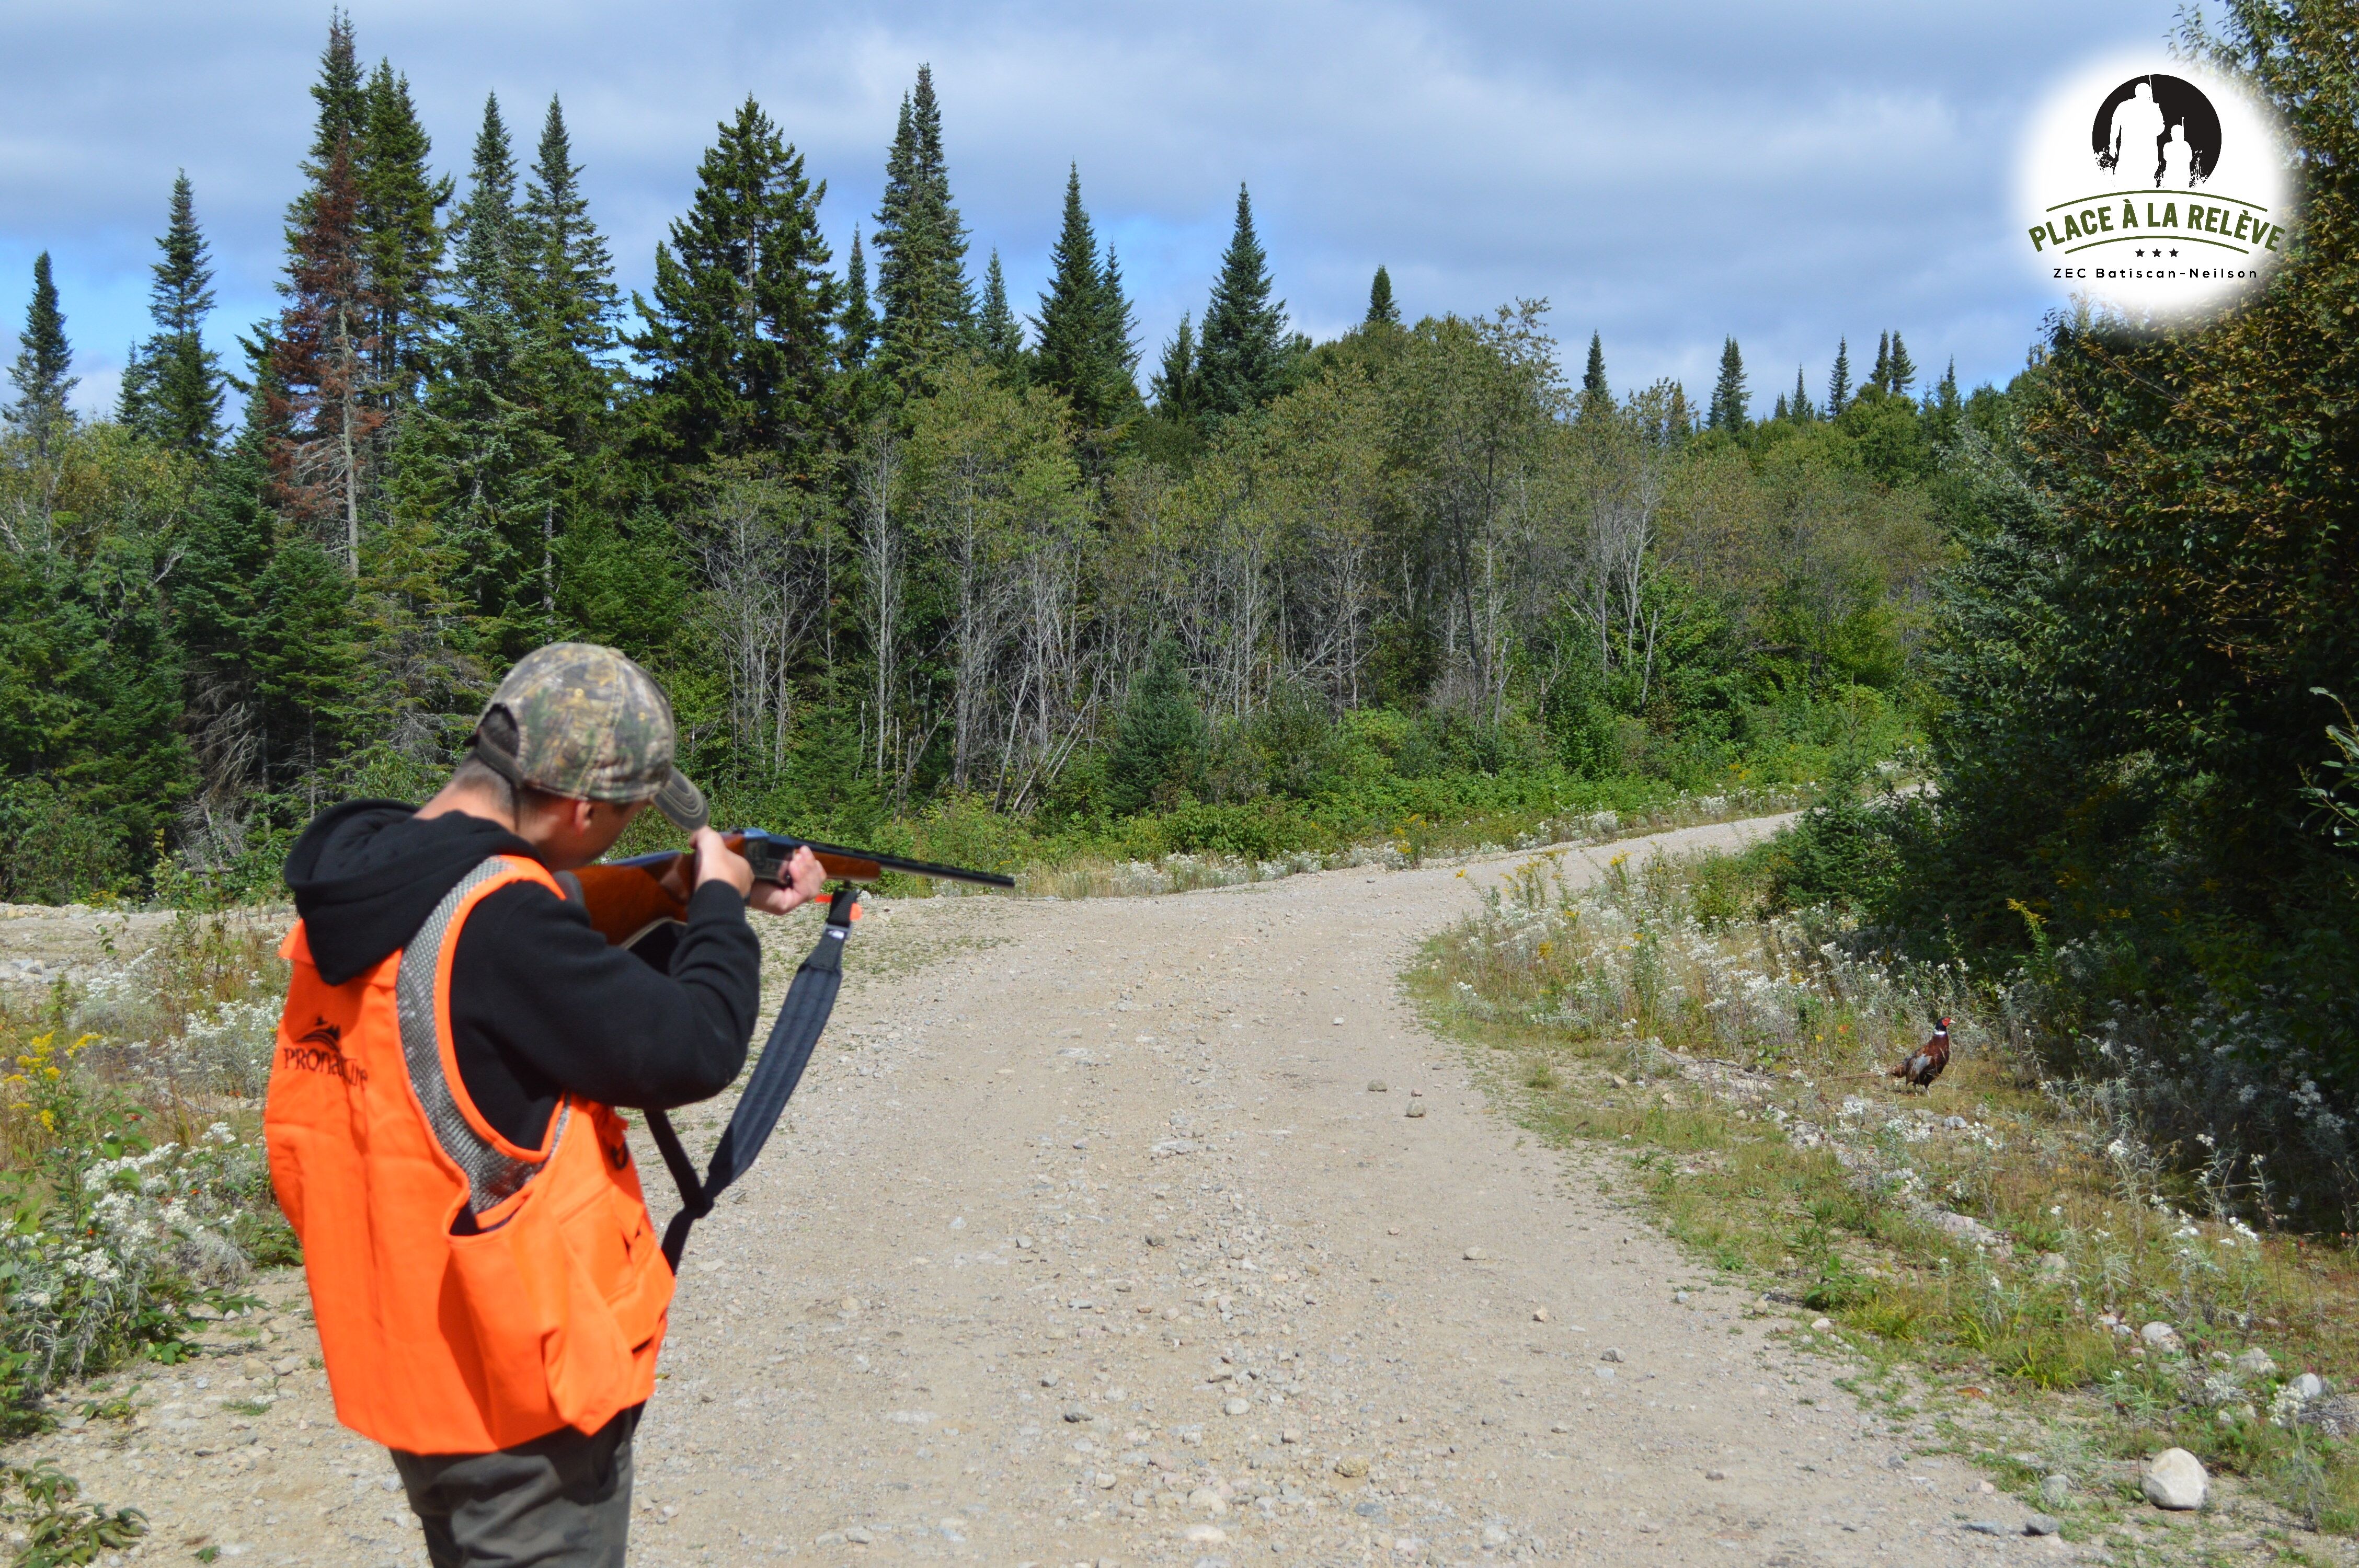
[[1089, 1240]]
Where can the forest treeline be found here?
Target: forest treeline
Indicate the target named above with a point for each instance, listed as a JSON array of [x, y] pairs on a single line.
[[894, 548]]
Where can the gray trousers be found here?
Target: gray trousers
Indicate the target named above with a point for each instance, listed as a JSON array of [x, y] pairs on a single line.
[[560, 1501]]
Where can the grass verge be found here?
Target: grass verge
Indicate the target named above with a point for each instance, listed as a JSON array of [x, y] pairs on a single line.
[[1993, 1247], [135, 1196]]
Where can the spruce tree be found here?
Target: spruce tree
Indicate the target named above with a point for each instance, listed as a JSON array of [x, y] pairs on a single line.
[[1731, 402], [1087, 349], [1838, 379], [1067, 326], [1117, 333], [568, 299], [481, 463], [1382, 311], [1946, 407], [1174, 384], [856, 327], [1799, 405], [172, 387], [928, 308], [1880, 377], [400, 203], [740, 334], [1161, 740], [1593, 386], [1679, 417], [342, 105], [1001, 339], [1900, 374], [40, 375], [1242, 357], [322, 422]]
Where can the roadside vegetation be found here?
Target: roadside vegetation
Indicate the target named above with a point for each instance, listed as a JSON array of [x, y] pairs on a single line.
[[1996, 1249], [131, 1166]]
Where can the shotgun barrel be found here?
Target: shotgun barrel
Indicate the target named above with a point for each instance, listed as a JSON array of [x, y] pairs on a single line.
[[768, 853]]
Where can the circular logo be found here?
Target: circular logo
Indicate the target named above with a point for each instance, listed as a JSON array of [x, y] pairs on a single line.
[[2153, 188]]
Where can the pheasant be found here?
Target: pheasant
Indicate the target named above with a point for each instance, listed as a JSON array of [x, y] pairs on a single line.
[[1922, 1068]]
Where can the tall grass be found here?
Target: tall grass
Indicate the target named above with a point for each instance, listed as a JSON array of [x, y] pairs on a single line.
[[2004, 1231], [134, 1193]]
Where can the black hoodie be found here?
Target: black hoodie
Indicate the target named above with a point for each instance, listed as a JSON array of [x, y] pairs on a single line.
[[540, 1006]]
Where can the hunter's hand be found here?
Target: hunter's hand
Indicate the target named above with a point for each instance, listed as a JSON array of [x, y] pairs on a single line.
[[803, 879], [717, 863]]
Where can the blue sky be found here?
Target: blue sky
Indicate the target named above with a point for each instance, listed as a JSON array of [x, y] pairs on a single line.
[[1666, 174]]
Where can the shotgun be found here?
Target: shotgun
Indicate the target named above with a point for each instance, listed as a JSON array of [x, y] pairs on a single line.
[[768, 853]]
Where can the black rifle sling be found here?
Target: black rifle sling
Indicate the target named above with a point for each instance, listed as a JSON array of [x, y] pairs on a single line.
[[787, 1051]]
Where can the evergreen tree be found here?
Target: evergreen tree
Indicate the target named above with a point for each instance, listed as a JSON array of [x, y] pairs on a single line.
[[343, 106], [1001, 339], [1880, 377], [1838, 379], [39, 374], [1593, 385], [1731, 405], [739, 335], [1242, 358], [399, 203], [1799, 405], [1947, 406], [1087, 348], [321, 421], [480, 461], [856, 327], [568, 301], [1118, 344], [1679, 417], [1174, 384], [1900, 374], [1160, 741], [1382, 311], [172, 385], [928, 308]]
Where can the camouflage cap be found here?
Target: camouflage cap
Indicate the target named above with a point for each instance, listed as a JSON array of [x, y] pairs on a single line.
[[588, 725]]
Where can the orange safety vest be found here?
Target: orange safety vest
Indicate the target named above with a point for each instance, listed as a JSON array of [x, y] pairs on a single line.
[[443, 1336]]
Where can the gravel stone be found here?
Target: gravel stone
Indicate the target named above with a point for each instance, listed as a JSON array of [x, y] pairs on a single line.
[[2176, 1479]]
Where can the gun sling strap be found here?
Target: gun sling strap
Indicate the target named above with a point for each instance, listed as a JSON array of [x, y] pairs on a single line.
[[801, 1019]]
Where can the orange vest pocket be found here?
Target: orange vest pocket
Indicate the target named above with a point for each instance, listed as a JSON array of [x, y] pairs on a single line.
[[551, 1343]]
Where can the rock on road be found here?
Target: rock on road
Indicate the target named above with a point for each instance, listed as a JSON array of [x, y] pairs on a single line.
[[1088, 1240]]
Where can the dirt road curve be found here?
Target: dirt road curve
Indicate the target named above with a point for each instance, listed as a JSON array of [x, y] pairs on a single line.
[[1089, 1242]]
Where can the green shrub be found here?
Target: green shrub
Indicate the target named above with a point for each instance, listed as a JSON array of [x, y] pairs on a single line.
[[1843, 852], [1161, 744], [51, 850]]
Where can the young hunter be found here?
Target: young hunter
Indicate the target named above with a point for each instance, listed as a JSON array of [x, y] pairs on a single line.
[[490, 1292]]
